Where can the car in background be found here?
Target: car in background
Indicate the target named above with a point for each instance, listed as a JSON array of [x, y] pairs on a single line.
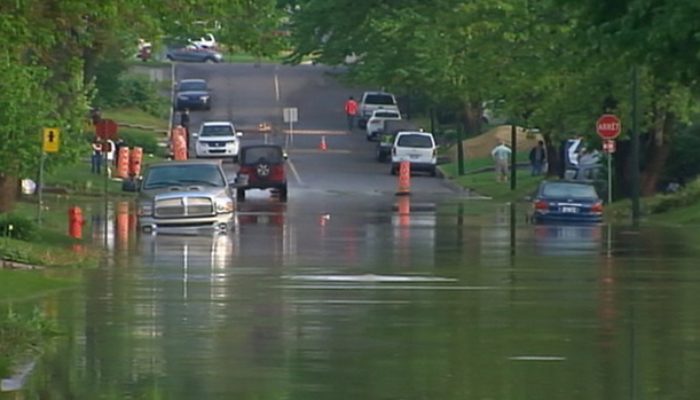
[[217, 139], [262, 166], [387, 135], [193, 53], [373, 101], [181, 196], [192, 94], [566, 201], [375, 124], [205, 42], [418, 148]]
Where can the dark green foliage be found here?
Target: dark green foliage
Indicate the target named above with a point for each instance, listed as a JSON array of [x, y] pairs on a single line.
[[688, 196], [133, 91], [146, 140], [684, 161], [17, 227]]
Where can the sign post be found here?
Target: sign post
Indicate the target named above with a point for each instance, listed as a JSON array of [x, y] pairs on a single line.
[[51, 139], [290, 115], [608, 127]]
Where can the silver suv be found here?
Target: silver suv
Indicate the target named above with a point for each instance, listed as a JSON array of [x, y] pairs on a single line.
[[184, 195]]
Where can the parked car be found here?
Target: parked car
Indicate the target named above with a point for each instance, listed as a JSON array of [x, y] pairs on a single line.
[[192, 94], [373, 101], [375, 124], [193, 53], [387, 135], [184, 195], [566, 201], [262, 166], [418, 148], [217, 139]]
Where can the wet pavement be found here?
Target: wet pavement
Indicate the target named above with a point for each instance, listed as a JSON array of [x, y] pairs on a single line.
[[338, 297]]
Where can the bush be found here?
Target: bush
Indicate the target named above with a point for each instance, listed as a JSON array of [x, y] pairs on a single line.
[[135, 92], [687, 196], [147, 141], [17, 227]]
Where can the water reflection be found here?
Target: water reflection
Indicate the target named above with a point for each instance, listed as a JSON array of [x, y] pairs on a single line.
[[568, 240]]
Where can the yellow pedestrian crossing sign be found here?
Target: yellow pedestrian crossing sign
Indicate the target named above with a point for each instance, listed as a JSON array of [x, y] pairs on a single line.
[[52, 138]]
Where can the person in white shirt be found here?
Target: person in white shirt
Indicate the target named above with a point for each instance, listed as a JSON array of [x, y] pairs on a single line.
[[501, 156]]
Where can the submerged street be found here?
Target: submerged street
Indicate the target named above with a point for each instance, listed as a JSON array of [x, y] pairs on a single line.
[[336, 294]]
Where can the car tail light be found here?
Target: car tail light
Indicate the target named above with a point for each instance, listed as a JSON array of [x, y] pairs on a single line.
[[541, 205], [393, 151], [597, 207], [434, 153]]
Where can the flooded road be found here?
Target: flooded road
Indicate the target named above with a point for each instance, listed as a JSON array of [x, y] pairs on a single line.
[[333, 297]]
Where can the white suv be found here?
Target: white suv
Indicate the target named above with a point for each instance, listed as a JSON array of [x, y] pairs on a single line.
[[218, 139], [418, 148], [375, 124]]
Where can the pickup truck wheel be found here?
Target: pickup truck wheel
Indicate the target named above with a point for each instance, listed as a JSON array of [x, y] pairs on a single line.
[[240, 194]]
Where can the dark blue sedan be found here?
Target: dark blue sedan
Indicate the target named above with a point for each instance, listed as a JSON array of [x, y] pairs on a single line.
[[192, 94], [567, 201]]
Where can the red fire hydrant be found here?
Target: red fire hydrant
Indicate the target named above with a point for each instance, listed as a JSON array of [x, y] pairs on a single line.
[[75, 222]]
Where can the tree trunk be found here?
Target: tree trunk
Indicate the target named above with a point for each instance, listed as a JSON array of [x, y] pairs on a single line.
[[8, 192], [657, 152], [553, 161], [473, 113]]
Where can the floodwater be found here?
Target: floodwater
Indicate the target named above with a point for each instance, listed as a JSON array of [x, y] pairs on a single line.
[[335, 298]]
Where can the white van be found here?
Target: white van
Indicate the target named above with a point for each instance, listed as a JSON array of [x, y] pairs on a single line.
[[418, 148]]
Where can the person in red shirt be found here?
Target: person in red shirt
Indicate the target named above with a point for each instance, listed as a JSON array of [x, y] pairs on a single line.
[[351, 111]]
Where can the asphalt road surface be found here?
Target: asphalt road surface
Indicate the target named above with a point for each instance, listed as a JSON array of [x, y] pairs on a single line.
[[249, 95]]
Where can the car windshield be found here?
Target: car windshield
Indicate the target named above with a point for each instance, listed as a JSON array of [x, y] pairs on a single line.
[[193, 86], [383, 99], [420, 141], [183, 174], [386, 114], [216, 130], [569, 191], [254, 155]]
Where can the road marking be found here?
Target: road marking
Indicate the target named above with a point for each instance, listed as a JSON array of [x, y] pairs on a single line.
[[294, 171], [317, 151], [388, 287], [537, 358], [277, 88], [317, 132], [368, 278]]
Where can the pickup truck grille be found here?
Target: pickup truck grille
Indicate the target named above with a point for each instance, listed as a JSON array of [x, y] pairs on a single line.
[[184, 207]]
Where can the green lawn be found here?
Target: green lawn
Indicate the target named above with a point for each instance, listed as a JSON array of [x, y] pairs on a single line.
[[137, 117], [485, 183]]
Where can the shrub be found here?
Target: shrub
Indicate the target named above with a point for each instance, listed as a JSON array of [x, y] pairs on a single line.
[[17, 227], [689, 195], [147, 141], [135, 92]]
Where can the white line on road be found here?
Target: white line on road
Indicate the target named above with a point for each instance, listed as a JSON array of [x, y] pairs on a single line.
[[317, 132], [277, 88], [294, 171]]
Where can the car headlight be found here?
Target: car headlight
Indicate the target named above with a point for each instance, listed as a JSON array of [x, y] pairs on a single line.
[[224, 205], [145, 209], [204, 98], [182, 97]]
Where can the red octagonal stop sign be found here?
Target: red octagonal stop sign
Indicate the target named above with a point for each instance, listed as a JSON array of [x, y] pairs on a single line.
[[608, 126]]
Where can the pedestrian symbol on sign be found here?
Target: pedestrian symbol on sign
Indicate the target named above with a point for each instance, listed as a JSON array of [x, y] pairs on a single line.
[[51, 140]]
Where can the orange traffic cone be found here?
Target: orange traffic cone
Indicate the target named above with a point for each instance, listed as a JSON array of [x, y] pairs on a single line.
[[322, 146], [404, 179]]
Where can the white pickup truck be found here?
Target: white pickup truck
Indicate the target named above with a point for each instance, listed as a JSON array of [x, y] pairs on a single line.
[[374, 101]]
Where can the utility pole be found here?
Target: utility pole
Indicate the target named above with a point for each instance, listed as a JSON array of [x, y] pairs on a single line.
[[513, 149], [634, 159]]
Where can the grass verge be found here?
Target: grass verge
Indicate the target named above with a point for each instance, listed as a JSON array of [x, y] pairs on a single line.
[[22, 334], [135, 117], [485, 183]]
